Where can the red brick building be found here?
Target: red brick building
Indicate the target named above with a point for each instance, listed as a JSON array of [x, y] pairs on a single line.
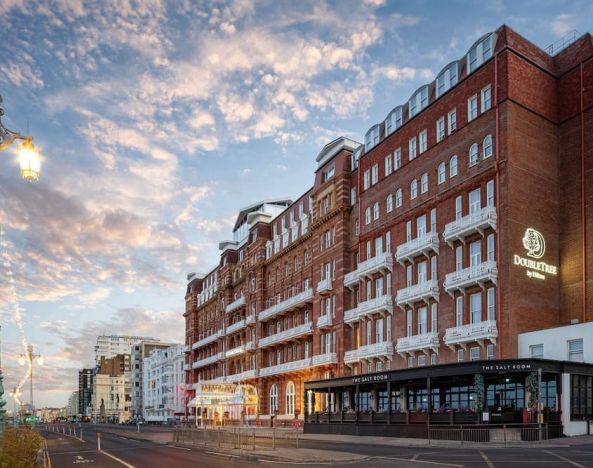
[[464, 220]]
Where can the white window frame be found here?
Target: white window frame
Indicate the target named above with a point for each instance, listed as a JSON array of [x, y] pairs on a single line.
[[452, 121], [473, 155], [422, 141], [399, 198], [412, 148], [442, 173], [424, 183], [413, 189], [440, 130], [486, 98], [472, 108]]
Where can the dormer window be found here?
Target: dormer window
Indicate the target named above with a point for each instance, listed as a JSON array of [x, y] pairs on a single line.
[[480, 52], [328, 173], [418, 101], [371, 138], [394, 120], [447, 79]]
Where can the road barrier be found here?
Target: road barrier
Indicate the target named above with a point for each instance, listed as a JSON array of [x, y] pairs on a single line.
[[242, 438], [498, 434]]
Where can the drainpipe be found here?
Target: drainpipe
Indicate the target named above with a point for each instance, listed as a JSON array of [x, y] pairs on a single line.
[[583, 212], [497, 188]]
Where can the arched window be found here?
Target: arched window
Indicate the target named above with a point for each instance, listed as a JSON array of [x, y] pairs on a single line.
[[442, 172], [414, 189], [290, 398], [418, 101], [447, 78], [372, 137], [398, 198], [389, 203], [480, 52], [274, 399], [453, 166], [367, 216], [424, 183], [487, 151], [393, 121], [473, 154]]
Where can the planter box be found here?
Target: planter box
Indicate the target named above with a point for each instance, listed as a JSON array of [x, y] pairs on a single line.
[[418, 418], [440, 418], [465, 417], [397, 418], [380, 417]]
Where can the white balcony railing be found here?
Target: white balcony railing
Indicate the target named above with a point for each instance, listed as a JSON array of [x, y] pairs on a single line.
[[208, 339], [473, 222], [383, 349], [423, 342], [250, 320], [351, 279], [186, 367], [372, 306], [237, 303], [375, 264], [240, 349], [422, 245], [208, 360], [246, 375], [286, 367], [324, 286], [288, 304], [286, 335], [324, 359], [324, 321], [486, 330], [477, 274], [418, 292], [236, 326]]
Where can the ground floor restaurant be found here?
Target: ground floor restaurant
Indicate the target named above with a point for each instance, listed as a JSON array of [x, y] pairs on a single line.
[[407, 402]]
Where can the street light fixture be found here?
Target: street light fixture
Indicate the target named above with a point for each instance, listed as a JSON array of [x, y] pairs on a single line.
[[28, 154]]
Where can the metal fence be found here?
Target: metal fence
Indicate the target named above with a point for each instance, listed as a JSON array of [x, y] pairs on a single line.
[[242, 438], [503, 434]]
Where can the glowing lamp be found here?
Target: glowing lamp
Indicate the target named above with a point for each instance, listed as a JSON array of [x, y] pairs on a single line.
[[29, 161]]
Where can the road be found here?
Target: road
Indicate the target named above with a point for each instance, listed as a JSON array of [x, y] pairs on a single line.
[[66, 451]]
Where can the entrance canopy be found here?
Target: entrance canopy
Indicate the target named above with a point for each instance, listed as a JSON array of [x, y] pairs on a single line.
[[222, 394]]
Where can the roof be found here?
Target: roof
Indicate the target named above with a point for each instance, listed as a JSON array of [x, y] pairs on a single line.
[[333, 148], [256, 206]]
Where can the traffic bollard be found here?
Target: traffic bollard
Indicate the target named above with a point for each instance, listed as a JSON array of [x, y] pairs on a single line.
[[81, 435], [98, 441]]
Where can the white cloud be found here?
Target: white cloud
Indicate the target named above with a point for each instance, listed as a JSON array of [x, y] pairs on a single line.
[[562, 24]]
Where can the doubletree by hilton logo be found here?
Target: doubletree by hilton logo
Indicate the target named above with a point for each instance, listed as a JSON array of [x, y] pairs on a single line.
[[535, 244]]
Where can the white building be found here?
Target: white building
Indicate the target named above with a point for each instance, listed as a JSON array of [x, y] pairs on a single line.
[[164, 384], [573, 343], [109, 346], [72, 406]]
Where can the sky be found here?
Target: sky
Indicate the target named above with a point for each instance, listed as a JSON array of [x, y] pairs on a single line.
[[158, 120]]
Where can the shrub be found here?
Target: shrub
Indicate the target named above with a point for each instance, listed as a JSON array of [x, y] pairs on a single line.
[[19, 447]]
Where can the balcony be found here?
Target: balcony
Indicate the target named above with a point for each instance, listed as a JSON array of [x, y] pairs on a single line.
[[287, 335], [473, 222], [237, 303], [324, 321], [382, 304], [208, 360], [376, 264], [422, 245], [209, 339], [286, 367], [289, 304], [250, 320], [380, 350], [236, 327], [351, 279], [249, 346], [325, 359], [473, 332], [425, 342], [477, 274], [246, 375], [324, 286], [186, 367], [418, 292]]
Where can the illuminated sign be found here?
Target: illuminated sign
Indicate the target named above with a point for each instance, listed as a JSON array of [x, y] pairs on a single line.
[[370, 378], [535, 245]]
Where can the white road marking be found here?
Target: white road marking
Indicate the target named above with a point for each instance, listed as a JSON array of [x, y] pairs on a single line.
[[223, 454], [127, 465], [487, 460], [560, 457], [80, 459], [178, 448]]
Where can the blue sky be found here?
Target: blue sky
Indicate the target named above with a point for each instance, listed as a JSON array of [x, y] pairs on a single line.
[[158, 120]]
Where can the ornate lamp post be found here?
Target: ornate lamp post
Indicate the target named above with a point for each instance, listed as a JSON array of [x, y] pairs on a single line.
[[28, 154]]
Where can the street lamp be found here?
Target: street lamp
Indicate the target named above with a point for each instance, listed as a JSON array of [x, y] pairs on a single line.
[[28, 154]]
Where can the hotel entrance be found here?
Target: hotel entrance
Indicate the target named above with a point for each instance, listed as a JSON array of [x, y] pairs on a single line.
[[218, 404]]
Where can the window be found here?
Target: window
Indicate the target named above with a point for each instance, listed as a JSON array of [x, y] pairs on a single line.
[[388, 165], [410, 361], [460, 355], [423, 138], [452, 121], [398, 198], [327, 174], [412, 148], [487, 149], [422, 272], [446, 79], [536, 351], [408, 231], [274, 399], [424, 183], [422, 360], [393, 121], [433, 220], [376, 211], [440, 129], [442, 172], [375, 174], [490, 246], [473, 154], [352, 196], [420, 226], [479, 53], [409, 275], [398, 158], [475, 203], [371, 138], [453, 167], [472, 108], [458, 208], [491, 299], [367, 216], [433, 359], [389, 203], [474, 354], [458, 258], [490, 352], [575, 350], [366, 180], [486, 99], [434, 318], [418, 101], [379, 331], [414, 189], [290, 398], [422, 321], [475, 305], [459, 311], [581, 397], [490, 193], [409, 323], [475, 253]]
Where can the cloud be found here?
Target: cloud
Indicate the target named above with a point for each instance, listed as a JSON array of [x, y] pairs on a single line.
[[562, 24]]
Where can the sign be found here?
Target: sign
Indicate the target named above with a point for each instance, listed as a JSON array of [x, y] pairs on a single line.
[[507, 367], [218, 388], [535, 246], [370, 378]]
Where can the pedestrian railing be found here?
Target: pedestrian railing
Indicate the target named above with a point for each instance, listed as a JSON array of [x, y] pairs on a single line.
[[241, 438], [498, 434]]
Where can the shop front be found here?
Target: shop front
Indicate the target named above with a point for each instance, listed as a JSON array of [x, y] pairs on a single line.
[[407, 402], [219, 404]]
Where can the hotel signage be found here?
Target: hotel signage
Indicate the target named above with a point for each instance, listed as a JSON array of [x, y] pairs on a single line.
[[535, 246], [370, 378], [507, 367]]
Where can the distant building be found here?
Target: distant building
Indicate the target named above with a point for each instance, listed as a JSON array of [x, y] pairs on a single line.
[[140, 351], [111, 399], [163, 386], [109, 346], [72, 406], [48, 415], [86, 379]]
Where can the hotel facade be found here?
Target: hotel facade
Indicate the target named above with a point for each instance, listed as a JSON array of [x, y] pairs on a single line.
[[394, 290]]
